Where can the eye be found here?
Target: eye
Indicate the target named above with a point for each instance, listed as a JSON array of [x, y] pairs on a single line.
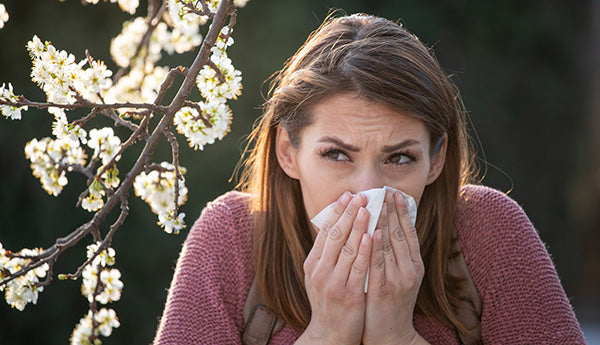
[[335, 155], [401, 158]]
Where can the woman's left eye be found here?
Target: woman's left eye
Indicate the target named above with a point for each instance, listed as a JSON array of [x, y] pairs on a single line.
[[400, 158]]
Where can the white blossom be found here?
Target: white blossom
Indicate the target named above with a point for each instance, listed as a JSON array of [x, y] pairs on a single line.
[[126, 5], [170, 223], [47, 156], [209, 81], [240, 3], [188, 122], [61, 78], [3, 15], [65, 131], [93, 80], [123, 47], [112, 286], [6, 93], [106, 319], [157, 188], [93, 201], [184, 19], [23, 289], [83, 331], [183, 39], [105, 258], [105, 143], [137, 86]]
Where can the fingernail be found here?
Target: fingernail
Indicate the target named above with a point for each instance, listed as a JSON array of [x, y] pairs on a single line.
[[399, 198], [345, 198]]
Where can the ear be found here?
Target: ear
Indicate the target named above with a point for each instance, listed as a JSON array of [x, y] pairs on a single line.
[[286, 153], [437, 162]]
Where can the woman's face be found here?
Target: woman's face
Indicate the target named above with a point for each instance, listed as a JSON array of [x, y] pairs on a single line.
[[353, 145]]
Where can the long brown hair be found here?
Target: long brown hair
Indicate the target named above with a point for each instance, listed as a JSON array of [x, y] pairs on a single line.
[[382, 62]]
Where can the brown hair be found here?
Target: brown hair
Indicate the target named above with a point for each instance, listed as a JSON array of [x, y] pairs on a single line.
[[382, 62]]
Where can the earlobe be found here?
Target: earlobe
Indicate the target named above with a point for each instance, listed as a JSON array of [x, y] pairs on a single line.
[[437, 162], [286, 153]]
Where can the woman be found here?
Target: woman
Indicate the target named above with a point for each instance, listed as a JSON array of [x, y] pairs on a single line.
[[363, 104]]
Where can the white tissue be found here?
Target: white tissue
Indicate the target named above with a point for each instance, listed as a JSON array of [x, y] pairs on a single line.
[[375, 198]]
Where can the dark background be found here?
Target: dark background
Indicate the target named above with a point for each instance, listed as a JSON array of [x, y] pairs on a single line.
[[528, 73]]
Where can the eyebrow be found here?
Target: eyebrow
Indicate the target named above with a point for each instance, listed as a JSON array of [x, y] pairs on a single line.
[[351, 148]]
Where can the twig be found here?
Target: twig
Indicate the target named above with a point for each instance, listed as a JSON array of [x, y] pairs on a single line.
[[84, 104], [118, 120], [166, 84], [175, 153], [200, 115], [217, 70]]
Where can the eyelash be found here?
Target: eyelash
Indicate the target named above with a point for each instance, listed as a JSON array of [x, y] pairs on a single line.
[[329, 153]]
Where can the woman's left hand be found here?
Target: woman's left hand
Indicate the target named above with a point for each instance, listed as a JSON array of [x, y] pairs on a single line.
[[396, 272]]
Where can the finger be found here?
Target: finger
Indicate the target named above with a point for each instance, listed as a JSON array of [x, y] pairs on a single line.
[[409, 232], [338, 233], [358, 271], [377, 264], [387, 249], [315, 253], [350, 249], [395, 232]]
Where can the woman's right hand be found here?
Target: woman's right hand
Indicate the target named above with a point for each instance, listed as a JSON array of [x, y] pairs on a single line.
[[335, 272]]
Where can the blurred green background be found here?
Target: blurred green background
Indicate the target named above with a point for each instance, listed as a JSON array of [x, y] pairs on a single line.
[[528, 72]]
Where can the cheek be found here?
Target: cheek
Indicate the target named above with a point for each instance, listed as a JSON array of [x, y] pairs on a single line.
[[320, 187], [318, 194]]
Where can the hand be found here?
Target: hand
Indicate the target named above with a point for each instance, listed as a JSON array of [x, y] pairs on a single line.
[[396, 272], [335, 273]]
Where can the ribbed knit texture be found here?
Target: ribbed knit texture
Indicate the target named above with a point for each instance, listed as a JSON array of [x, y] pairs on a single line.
[[523, 301]]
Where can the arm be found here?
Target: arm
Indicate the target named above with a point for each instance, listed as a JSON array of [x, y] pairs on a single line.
[[212, 277]]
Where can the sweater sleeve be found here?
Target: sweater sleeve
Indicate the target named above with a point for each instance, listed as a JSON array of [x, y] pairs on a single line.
[[212, 277], [523, 300]]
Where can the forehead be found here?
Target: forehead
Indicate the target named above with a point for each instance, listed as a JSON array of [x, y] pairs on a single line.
[[350, 115]]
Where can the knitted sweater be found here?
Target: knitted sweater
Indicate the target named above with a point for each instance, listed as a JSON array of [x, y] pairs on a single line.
[[523, 300]]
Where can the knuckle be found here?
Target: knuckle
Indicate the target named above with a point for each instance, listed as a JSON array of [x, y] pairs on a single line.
[[317, 278], [403, 206], [338, 210], [334, 232], [412, 280], [348, 250], [420, 269], [397, 233], [332, 292], [387, 246], [412, 230], [379, 263], [350, 210], [358, 267]]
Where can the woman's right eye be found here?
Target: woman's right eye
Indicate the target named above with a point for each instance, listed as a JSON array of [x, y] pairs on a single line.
[[335, 155]]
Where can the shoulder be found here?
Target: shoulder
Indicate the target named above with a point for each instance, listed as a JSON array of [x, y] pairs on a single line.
[[494, 232], [487, 203], [231, 209], [224, 223], [232, 204], [486, 212]]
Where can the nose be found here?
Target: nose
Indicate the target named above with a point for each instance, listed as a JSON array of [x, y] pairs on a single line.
[[365, 179]]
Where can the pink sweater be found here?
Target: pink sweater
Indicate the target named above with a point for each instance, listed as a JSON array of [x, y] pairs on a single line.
[[523, 301]]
